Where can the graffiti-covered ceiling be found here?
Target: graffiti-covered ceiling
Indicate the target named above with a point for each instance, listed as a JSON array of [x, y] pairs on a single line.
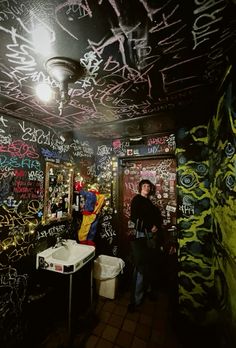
[[148, 63]]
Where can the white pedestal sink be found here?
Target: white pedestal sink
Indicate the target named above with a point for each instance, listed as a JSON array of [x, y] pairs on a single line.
[[67, 259]]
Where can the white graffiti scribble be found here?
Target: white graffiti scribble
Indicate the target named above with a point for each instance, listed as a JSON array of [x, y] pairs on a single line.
[[92, 65], [104, 150], [203, 26], [80, 8], [36, 175]]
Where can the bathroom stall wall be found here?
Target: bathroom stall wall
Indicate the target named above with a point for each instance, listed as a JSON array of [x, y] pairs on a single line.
[[24, 148], [222, 145], [206, 157], [194, 224]]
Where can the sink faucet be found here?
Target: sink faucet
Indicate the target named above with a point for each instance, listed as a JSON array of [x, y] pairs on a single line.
[[59, 242]]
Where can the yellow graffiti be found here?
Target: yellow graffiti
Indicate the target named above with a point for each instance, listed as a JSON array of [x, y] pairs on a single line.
[[18, 253], [179, 150], [21, 236], [11, 218], [204, 140], [232, 121], [225, 217]]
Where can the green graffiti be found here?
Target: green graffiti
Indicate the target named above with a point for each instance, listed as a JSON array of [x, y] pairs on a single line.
[[232, 121], [195, 254], [225, 218], [222, 132], [199, 134]]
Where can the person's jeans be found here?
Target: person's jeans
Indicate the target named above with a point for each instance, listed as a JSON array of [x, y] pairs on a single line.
[[137, 288], [144, 272]]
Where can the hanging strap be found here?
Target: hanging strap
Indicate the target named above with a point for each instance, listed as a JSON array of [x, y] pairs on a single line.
[[139, 233]]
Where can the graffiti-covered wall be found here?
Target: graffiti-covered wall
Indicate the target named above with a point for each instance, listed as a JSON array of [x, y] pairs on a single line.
[[107, 237], [24, 150], [206, 157], [194, 222], [222, 144], [108, 175]]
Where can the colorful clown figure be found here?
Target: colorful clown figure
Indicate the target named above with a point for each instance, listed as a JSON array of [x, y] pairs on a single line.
[[94, 202]]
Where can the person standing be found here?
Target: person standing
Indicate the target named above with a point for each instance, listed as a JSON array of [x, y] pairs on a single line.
[[145, 245]]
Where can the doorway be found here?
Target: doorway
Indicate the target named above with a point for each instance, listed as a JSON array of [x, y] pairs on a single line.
[[161, 171]]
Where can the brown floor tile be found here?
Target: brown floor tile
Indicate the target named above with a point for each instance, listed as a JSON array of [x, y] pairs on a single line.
[[124, 339], [155, 345], [91, 342], [98, 330], [104, 316], [116, 320], [77, 341], [110, 333], [133, 316], [143, 331], [99, 305], [148, 327], [104, 344], [124, 301], [109, 306], [120, 310], [100, 300], [129, 325], [138, 343]]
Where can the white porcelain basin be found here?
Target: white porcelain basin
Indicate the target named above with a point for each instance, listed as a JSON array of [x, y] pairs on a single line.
[[68, 258]]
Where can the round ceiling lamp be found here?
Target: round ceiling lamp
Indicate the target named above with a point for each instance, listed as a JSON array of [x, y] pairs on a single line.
[[64, 71]]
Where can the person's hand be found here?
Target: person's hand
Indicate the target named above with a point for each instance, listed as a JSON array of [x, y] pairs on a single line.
[[154, 229]]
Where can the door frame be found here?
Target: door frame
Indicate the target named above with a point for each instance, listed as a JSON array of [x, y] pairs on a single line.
[[119, 181]]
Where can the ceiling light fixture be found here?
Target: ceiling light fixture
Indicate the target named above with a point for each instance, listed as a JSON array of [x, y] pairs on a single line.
[[64, 71]]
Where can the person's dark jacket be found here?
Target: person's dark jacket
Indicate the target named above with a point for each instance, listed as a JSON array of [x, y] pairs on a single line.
[[145, 214]]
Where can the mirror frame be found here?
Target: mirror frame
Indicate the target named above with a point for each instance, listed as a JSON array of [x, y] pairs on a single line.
[[70, 178]]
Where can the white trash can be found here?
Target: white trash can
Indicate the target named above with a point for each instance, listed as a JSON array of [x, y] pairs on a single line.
[[105, 271]]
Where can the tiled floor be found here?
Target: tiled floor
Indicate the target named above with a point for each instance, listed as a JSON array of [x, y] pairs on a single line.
[[149, 326], [111, 325]]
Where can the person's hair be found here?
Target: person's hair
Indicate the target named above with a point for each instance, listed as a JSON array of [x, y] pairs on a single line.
[[145, 181]]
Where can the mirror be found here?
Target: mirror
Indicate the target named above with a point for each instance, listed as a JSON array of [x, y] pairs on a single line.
[[58, 191]]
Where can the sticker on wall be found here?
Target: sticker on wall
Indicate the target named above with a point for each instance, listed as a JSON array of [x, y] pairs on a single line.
[[170, 208], [149, 175], [172, 186], [129, 152]]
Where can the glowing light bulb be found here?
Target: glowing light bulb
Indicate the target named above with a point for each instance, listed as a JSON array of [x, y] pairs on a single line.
[[44, 92]]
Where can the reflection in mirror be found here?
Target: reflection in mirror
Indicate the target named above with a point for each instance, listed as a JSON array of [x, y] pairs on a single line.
[[58, 191]]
